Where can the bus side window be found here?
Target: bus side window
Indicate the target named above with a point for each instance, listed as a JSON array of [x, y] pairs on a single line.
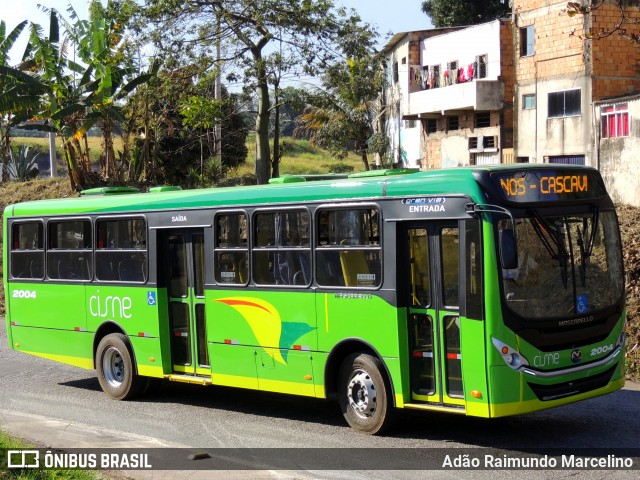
[[121, 250], [27, 250], [348, 252], [69, 250], [282, 251], [231, 255]]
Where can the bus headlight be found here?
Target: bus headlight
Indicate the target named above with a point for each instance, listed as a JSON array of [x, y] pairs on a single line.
[[510, 355], [621, 339]]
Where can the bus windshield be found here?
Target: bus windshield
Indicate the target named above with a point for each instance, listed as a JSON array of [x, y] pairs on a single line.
[[568, 265]]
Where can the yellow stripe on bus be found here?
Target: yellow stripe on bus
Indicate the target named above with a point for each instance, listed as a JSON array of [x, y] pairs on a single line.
[[266, 385], [86, 363]]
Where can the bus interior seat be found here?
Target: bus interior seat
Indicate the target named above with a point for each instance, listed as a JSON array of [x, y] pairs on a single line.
[[104, 268], [301, 276], [328, 269], [130, 271], [353, 262], [241, 269]]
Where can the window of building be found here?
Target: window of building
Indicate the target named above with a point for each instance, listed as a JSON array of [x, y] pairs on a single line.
[[121, 250], [348, 252], [453, 123], [395, 72], [564, 104], [526, 41], [282, 248], [614, 121], [489, 141], [433, 80], [473, 143], [528, 102], [231, 257], [482, 120], [565, 159], [27, 250], [522, 160], [69, 250], [432, 125], [404, 60], [410, 123], [481, 67]]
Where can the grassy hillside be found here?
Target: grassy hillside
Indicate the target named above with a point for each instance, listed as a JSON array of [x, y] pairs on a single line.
[[299, 156]]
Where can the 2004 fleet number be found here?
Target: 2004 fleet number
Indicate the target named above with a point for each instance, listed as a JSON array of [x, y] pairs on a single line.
[[24, 294], [602, 349]]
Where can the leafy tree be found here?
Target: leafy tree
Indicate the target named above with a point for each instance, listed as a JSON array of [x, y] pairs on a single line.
[[172, 118], [625, 17], [16, 98], [247, 27], [453, 13], [234, 131], [340, 117], [109, 77], [77, 96]]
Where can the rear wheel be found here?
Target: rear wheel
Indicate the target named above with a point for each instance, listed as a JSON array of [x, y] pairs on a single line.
[[114, 366], [365, 394]]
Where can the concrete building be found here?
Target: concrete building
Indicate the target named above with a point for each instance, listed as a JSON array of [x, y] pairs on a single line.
[[617, 146], [402, 56], [449, 96], [562, 70]]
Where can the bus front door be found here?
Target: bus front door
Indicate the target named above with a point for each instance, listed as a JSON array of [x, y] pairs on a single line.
[[182, 258], [432, 262]]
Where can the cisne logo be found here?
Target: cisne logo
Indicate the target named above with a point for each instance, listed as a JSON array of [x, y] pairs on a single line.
[[111, 306]]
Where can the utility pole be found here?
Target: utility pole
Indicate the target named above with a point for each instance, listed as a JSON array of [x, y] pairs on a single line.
[[52, 154]]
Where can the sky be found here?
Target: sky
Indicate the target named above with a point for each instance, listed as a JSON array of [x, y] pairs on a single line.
[[386, 15]]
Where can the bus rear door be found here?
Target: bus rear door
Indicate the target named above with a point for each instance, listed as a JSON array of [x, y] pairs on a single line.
[[431, 262]]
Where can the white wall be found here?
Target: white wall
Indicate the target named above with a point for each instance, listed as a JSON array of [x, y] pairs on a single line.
[[619, 160], [404, 142], [540, 136], [463, 46]]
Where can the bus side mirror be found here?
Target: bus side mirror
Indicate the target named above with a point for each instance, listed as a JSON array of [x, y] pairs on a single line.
[[508, 248]]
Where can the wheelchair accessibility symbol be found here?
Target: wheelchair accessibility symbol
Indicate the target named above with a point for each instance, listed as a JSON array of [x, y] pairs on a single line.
[[151, 298], [582, 304]]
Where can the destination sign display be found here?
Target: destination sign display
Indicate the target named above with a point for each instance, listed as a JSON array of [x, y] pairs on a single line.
[[548, 185]]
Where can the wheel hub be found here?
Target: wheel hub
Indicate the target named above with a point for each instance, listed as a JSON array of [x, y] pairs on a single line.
[[113, 367], [361, 393]]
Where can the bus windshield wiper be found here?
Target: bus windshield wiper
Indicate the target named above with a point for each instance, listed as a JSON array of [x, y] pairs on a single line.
[[587, 250], [550, 240]]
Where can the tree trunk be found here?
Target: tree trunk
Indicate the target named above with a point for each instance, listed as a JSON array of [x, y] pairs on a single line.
[[263, 161], [363, 154], [275, 171], [5, 148]]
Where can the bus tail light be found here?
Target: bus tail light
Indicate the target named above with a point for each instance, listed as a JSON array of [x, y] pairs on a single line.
[[510, 355]]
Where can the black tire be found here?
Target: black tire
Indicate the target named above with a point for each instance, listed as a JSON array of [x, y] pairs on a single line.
[[364, 393], [115, 370]]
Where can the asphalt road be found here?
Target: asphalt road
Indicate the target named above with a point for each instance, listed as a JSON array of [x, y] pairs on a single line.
[[185, 415]]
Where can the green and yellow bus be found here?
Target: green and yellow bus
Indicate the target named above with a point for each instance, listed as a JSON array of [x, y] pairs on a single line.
[[485, 291]]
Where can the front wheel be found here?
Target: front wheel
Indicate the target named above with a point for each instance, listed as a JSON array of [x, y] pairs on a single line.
[[365, 394], [114, 366]]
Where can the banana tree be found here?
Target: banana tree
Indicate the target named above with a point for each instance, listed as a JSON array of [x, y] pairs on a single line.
[[109, 78], [16, 98]]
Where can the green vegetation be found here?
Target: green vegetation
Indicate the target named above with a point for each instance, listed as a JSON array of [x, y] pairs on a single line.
[[7, 442]]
